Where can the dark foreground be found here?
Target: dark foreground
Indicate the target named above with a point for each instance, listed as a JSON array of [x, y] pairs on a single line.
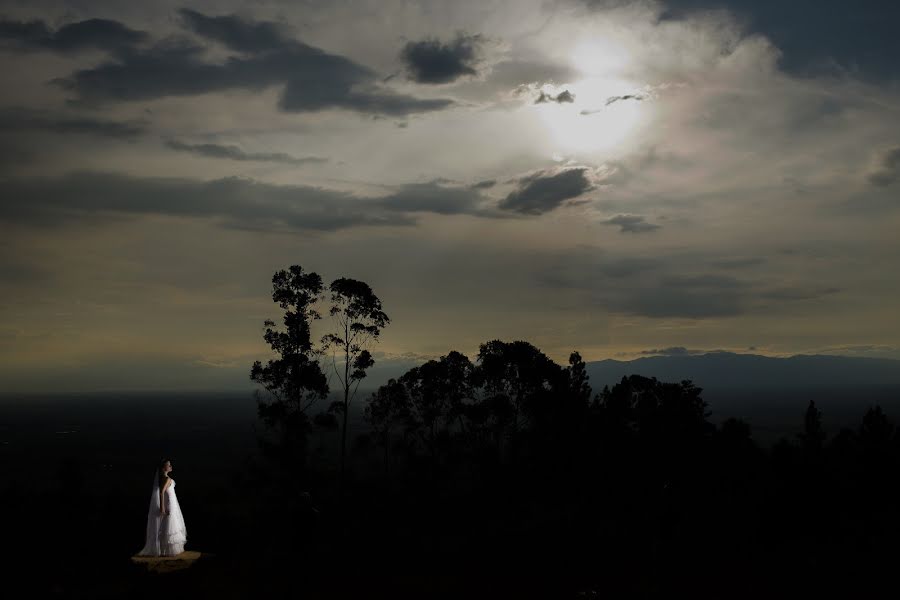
[[623, 499]]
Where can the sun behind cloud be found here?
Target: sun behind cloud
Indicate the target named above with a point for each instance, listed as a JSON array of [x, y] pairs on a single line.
[[599, 111]]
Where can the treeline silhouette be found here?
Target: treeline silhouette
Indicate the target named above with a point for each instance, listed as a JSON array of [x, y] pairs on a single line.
[[509, 473]]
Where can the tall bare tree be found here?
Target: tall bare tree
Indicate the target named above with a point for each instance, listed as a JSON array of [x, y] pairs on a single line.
[[358, 320]]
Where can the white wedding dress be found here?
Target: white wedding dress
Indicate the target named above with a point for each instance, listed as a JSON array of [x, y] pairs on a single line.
[[166, 534]]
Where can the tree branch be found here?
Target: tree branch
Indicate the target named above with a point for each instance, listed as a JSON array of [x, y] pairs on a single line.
[[354, 392], [335, 369], [313, 401]]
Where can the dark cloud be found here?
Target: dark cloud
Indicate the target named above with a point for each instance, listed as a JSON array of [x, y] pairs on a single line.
[[235, 153], [647, 286], [26, 119], [699, 296], [888, 170], [312, 79], [672, 351], [237, 202], [544, 191], [237, 33], [436, 198], [816, 36], [649, 93], [614, 99], [487, 183], [588, 271], [431, 61], [94, 34], [631, 224], [301, 96], [562, 97]]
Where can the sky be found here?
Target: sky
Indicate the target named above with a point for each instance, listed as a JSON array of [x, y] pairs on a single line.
[[620, 178]]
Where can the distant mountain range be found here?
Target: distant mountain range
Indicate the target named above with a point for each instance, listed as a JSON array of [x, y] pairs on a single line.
[[712, 371], [729, 370], [720, 370]]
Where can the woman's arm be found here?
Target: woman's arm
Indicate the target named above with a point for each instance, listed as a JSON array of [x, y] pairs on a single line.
[[162, 497]]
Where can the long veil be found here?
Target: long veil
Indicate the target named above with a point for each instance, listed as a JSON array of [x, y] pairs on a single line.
[[151, 546]]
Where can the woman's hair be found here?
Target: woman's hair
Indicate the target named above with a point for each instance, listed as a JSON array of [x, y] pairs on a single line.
[[160, 473]]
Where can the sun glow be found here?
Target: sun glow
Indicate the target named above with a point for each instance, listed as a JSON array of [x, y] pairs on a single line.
[[605, 108], [589, 123], [601, 56]]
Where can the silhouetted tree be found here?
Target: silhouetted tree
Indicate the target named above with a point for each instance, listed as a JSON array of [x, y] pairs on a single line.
[[652, 432], [877, 449], [559, 426], [437, 390], [735, 434], [876, 434], [655, 409], [579, 387], [813, 435], [358, 320], [388, 411], [517, 381], [736, 455], [294, 381]]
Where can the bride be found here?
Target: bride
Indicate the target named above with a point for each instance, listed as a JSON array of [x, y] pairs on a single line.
[[166, 533]]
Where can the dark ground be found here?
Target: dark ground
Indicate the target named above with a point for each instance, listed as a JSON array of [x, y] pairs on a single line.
[[77, 480]]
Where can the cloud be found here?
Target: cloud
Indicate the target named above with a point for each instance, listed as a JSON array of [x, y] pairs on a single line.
[[546, 190], [237, 33], [437, 198], [887, 170], [614, 99], [694, 296], [92, 34], [239, 203], [300, 96], [563, 96], [658, 287], [433, 62], [312, 79], [858, 38], [631, 224], [672, 351], [26, 119], [487, 183], [650, 92], [235, 153], [865, 350]]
